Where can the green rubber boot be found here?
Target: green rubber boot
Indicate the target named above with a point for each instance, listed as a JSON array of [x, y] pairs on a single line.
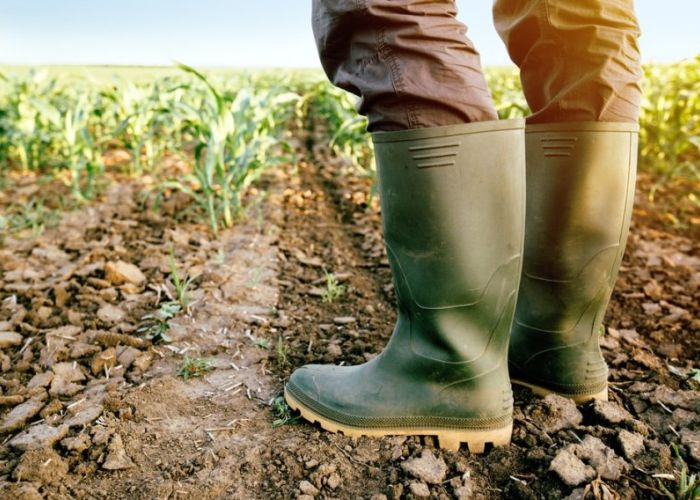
[[580, 191], [453, 208]]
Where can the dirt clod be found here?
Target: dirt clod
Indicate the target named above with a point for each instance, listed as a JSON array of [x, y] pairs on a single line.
[[41, 466], [611, 413], [333, 481], [52, 408], [110, 314], [11, 400], [419, 490], [308, 488], [105, 360], [38, 437], [604, 460], [111, 339], [118, 273], [20, 414], [9, 339], [463, 493], [117, 458], [630, 443], [555, 413], [428, 467], [571, 469], [100, 435], [85, 416], [143, 361], [65, 377], [691, 439], [78, 443], [83, 350], [42, 379]]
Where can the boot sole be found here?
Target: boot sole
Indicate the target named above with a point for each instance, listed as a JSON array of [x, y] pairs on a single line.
[[448, 439], [578, 398]]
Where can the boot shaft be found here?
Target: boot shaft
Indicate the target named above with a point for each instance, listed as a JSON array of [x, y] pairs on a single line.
[[453, 201], [580, 191]]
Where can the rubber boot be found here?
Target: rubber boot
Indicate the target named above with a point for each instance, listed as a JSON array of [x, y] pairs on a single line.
[[453, 202], [580, 191]]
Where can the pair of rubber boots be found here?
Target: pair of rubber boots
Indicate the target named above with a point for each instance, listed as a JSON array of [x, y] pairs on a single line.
[[494, 285]]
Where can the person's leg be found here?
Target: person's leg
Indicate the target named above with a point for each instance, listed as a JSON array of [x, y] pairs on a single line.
[[579, 61], [409, 61], [452, 196], [580, 70]]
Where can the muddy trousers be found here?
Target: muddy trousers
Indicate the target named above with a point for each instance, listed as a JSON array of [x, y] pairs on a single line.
[[412, 65]]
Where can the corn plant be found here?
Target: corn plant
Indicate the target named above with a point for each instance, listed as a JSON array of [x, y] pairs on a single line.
[[334, 290], [235, 135], [182, 286], [81, 150], [506, 92], [30, 119], [230, 130], [142, 113], [670, 121], [334, 111]]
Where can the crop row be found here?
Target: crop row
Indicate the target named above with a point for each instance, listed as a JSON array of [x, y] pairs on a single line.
[[229, 129]]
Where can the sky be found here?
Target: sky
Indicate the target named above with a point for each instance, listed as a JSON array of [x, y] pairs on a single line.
[[245, 33]]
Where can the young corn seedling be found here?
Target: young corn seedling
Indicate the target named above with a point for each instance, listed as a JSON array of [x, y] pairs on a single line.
[[334, 290], [281, 353], [31, 217], [182, 286], [688, 487], [194, 367]]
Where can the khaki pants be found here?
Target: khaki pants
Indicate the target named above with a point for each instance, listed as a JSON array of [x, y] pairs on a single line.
[[413, 66]]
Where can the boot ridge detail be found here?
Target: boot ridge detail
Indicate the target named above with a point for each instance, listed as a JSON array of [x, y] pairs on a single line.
[[481, 290]]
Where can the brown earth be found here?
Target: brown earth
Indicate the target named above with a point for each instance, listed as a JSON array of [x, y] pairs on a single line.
[[92, 409]]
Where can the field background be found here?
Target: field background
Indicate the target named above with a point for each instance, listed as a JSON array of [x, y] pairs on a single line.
[[173, 243]]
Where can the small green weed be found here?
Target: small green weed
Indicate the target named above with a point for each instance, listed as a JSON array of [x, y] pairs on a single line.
[[688, 487], [156, 325], [194, 367], [333, 290], [282, 412], [260, 342]]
